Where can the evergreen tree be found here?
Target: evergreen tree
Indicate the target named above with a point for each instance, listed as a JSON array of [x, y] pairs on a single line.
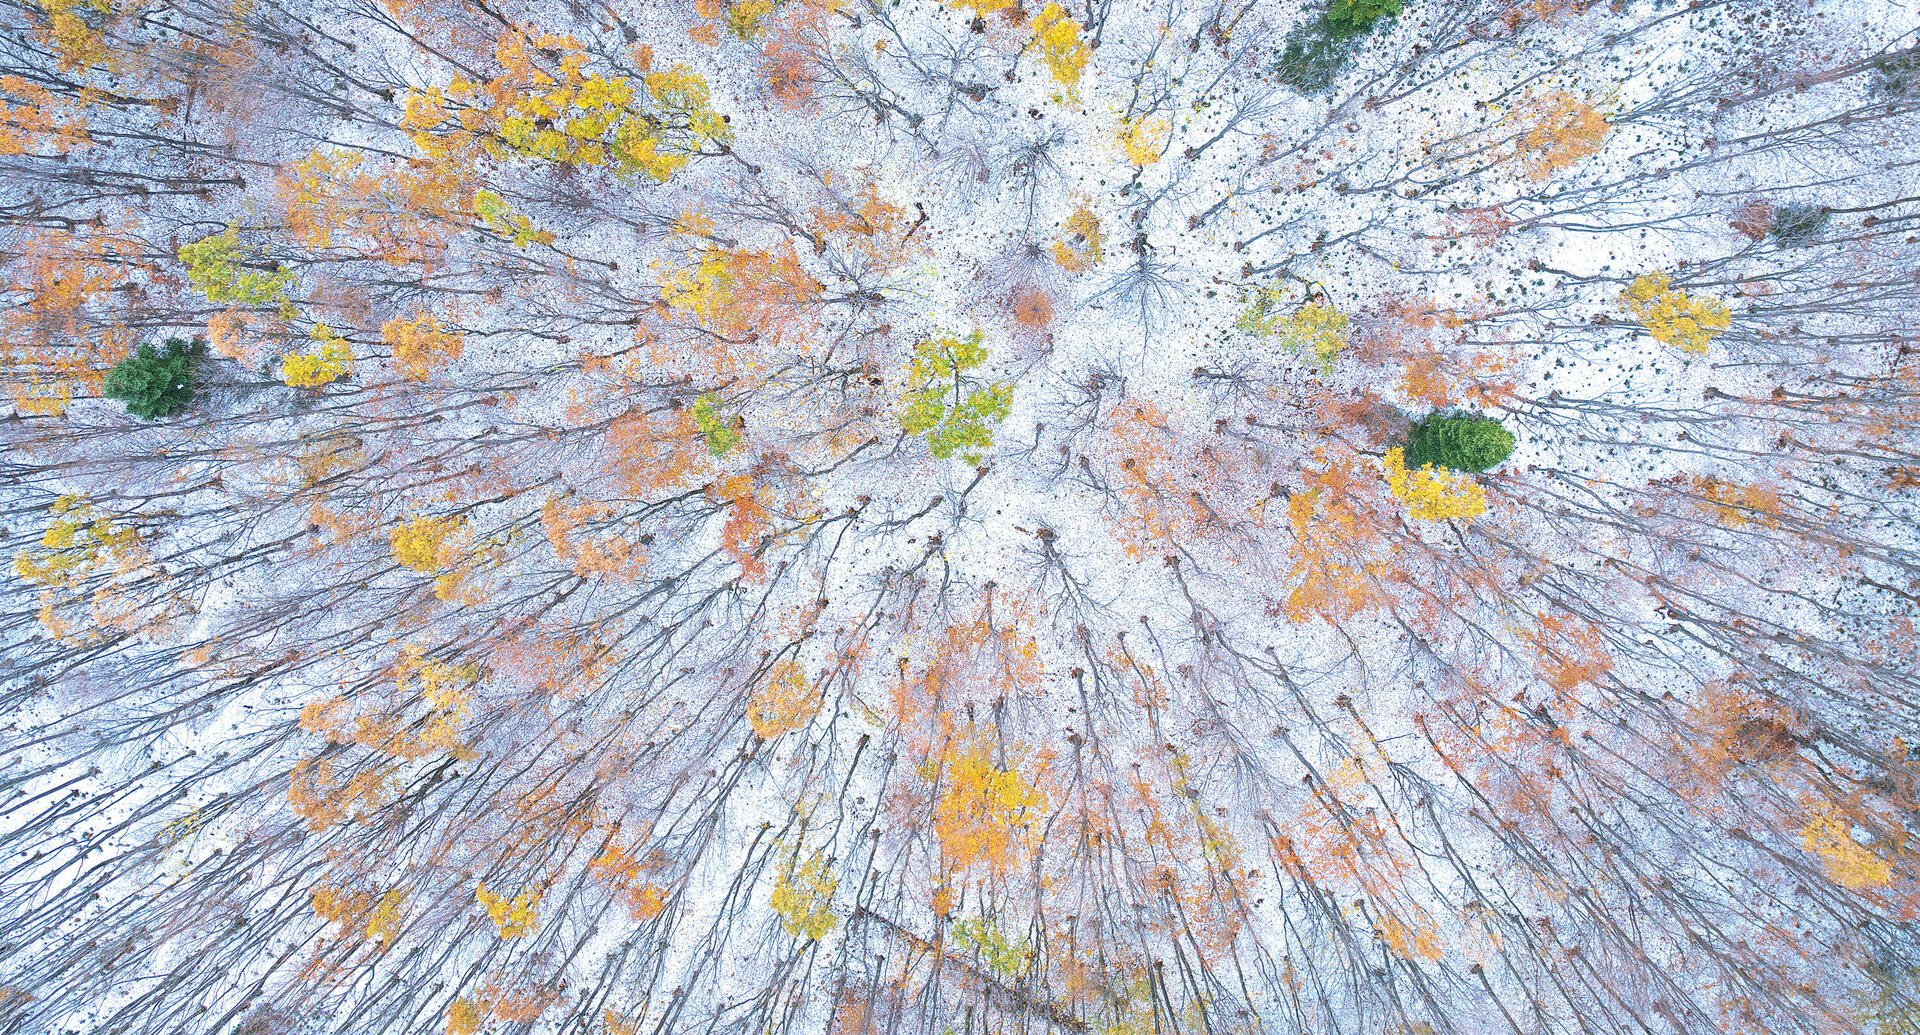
[[1796, 225], [1463, 442], [154, 383]]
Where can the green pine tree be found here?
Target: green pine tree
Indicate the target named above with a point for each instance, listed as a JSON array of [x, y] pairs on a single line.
[[154, 383], [1463, 442]]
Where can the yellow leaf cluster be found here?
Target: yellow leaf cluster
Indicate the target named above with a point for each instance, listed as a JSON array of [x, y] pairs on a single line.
[[1316, 329], [1674, 317], [424, 543], [982, 809], [783, 703], [1143, 139], [803, 898], [421, 345], [73, 545], [1409, 942], [514, 916], [1433, 493], [79, 43], [324, 365], [1336, 579], [318, 796], [546, 105], [446, 688], [1556, 130], [1058, 36], [42, 121], [384, 924], [1849, 863], [1735, 505], [1081, 244], [463, 1017]]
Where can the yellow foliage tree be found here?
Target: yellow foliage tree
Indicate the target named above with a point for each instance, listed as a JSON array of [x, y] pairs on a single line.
[[1081, 244], [421, 345], [1735, 505], [1849, 863], [1061, 47], [324, 365], [803, 898], [1316, 329], [1433, 493], [1143, 138], [1554, 131], [783, 702], [983, 809], [74, 544], [384, 923], [546, 105], [463, 1017], [427, 544], [514, 917], [1674, 317]]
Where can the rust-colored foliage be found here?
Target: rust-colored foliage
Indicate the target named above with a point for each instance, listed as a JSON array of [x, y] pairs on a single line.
[[61, 332]]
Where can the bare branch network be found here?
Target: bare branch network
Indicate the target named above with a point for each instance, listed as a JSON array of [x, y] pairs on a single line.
[[897, 517]]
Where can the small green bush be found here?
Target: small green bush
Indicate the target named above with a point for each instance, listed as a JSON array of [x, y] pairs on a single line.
[[1464, 442], [1798, 224], [154, 383]]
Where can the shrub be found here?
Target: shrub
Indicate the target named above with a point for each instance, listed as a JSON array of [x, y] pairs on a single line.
[[1797, 225], [1462, 442], [154, 383]]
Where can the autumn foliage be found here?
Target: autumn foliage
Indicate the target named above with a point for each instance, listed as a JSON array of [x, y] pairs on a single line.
[[952, 516]]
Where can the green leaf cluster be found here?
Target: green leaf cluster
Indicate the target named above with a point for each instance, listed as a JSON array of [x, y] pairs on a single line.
[[1004, 956], [154, 383], [721, 434], [1316, 330], [215, 265], [498, 216], [1463, 442], [955, 413]]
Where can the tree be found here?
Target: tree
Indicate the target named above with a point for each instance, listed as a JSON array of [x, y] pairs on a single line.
[[1796, 225], [1471, 442], [1674, 317], [328, 362], [155, 383], [944, 407], [226, 270], [1556, 130], [1314, 330], [604, 598], [1317, 51], [1058, 37], [1351, 18], [1433, 493]]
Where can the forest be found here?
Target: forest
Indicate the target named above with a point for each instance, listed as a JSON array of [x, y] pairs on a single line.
[[959, 517]]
